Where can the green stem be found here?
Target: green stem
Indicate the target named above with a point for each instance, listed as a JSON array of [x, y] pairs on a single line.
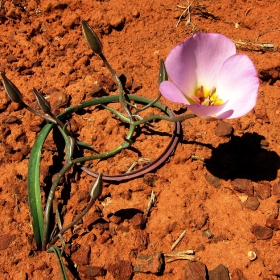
[[121, 94], [48, 208], [166, 118], [75, 221]]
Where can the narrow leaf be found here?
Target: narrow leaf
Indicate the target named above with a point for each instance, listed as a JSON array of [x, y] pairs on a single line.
[[162, 75]]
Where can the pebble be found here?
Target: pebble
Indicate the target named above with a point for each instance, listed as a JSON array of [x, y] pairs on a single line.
[[117, 22], [223, 129], [195, 271], [252, 203], [138, 221], [105, 237], [237, 274], [149, 263], [261, 232], [81, 256], [263, 191], [214, 181], [243, 186], [121, 270], [92, 271], [18, 156], [272, 223], [219, 273]]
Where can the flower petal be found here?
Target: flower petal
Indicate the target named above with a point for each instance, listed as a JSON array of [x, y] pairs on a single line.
[[207, 112], [197, 61], [172, 93], [238, 84]]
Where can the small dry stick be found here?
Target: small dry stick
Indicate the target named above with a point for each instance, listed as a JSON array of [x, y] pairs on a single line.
[[255, 46], [178, 240], [144, 160], [187, 9], [182, 255], [151, 202]]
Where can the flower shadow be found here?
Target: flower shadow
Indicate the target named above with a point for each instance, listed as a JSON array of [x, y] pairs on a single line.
[[244, 157]]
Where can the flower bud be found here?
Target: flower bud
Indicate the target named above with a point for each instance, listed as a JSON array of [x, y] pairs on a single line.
[[91, 38], [43, 103], [12, 91], [97, 187]]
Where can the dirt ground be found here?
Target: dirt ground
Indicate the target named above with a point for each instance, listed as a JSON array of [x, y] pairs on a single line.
[[221, 186]]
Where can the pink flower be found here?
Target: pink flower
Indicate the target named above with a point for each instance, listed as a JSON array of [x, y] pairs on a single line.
[[210, 78]]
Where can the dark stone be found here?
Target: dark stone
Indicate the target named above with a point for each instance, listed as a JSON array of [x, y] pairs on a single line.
[[262, 233], [93, 271], [150, 263], [215, 181], [138, 221], [121, 270], [223, 129], [252, 203], [263, 191], [243, 186], [219, 273], [195, 271]]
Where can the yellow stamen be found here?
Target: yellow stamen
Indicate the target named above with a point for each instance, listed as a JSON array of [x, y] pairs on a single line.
[[205, 97]]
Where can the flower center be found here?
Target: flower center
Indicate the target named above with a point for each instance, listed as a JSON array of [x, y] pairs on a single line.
[[205, 97]]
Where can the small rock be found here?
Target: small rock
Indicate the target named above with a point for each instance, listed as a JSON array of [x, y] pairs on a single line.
[[115, 219], [276, 189], [18, 156], [223, 129], [81, 256], [276, 270], [237, 274], [207, 233], [219, 273], [272, 223], [92, 271], [214, 181], [260, 232], [195, 271], [243, 186], [263, 191], [141, 240], [135, 13], [138, 221], [219, 238], [106, 82], [149, 263], [105, 237], [252, 203], [117, 22], [122, 270]]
